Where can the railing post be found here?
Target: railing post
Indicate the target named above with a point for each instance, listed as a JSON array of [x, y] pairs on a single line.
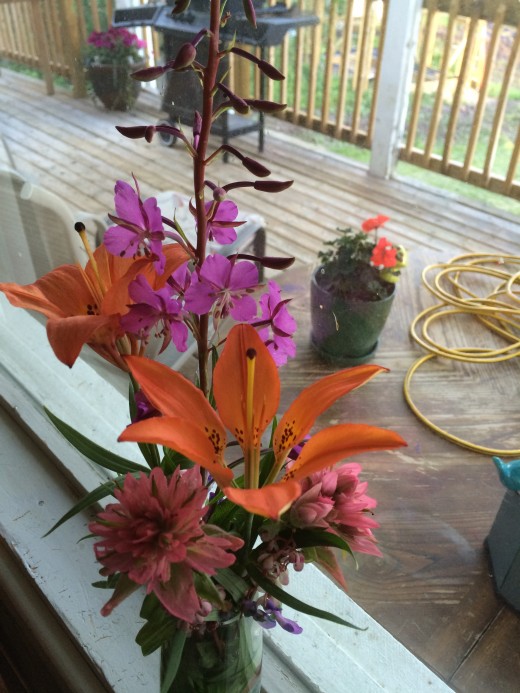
[[394, 86]]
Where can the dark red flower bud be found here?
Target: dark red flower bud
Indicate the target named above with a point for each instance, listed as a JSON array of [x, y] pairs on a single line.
[[148, 74], [272, 186], [266, 106], [137, 131], [270, 70], [255, 167], [185, 57], [180, 6], [249, 10]]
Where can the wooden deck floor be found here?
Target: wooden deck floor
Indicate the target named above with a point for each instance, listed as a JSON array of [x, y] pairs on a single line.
[[432, 590]]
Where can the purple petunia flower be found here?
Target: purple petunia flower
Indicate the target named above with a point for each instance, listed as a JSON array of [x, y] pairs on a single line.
[[155, 309], [276, 319], [139, 226], [226, 285]]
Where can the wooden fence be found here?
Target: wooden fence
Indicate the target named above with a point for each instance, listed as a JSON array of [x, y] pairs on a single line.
[[464, 111]]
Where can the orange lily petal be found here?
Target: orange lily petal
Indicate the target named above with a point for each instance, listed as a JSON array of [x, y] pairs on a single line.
[[68, 335], [270, 501], [230, 386], [60, 293], [190, 439], [313, 401], [333, 444], [173, 394]]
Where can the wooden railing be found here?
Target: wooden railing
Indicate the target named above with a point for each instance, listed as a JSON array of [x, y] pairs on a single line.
[[464, 102]]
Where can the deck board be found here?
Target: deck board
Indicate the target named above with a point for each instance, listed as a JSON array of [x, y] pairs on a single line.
[[436, 501]]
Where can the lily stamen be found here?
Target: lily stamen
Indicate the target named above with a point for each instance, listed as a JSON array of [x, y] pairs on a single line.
[[82, 232]]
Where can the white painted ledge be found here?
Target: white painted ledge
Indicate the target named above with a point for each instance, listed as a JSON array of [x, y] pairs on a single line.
[[50, 579]]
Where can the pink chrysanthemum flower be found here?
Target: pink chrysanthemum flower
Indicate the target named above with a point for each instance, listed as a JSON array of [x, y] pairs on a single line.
[[154, 536], [335, 499]]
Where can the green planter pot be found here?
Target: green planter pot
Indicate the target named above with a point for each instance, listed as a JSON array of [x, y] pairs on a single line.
[[113, 85], [346, 332]]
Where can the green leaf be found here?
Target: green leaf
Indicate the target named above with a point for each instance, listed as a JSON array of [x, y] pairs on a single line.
[[234, 585], [206, 589], [160, 628], [175, 648], [94, 452], [293, 602], [305, 538], [88, 500]]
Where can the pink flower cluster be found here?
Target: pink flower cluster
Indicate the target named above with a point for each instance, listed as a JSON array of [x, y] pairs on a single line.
[[154, 536], [335, 500], [114, 38]]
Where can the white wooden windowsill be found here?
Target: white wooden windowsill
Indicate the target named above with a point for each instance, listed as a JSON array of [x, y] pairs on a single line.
[[49, 579]]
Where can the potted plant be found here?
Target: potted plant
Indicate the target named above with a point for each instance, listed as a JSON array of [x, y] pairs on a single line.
[[352, 292], [110, 57]]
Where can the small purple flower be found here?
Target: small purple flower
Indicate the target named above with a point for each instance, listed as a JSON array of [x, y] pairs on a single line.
[[139, 226], [270, 614], [143, 407], [225, 284], [221, 221], [276, 319], [154, 309]]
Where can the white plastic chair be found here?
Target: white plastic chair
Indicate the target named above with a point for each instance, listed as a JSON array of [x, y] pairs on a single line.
[[37, 229]]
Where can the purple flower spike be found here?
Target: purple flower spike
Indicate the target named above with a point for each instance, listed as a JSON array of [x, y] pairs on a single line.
[[276, 319], [139, 227], [155, 309], [226, 285]]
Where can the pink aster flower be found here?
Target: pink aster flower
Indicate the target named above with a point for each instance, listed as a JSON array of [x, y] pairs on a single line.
[[157, 310], [153, 536], [226, 285], [221, 221], [384, 255], [276, 324], [139, 227], [335, 499]]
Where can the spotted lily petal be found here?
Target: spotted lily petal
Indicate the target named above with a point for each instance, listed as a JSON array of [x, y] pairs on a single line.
[[299, 418], [196, 441], [333, 444], [231, 385]]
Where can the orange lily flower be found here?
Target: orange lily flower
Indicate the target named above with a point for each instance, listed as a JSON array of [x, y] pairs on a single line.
[[83, 306], [246, 386]]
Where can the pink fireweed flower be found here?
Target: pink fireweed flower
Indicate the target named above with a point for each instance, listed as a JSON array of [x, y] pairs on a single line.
[[154, 536], [374, 223], [276, 325], [221, 221], [139, 227], [384, 255], [226, 285], [155, 309], [335, 499]]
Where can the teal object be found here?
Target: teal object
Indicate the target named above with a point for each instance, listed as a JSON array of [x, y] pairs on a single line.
[[346, 332], [503, 544], [509, 473]]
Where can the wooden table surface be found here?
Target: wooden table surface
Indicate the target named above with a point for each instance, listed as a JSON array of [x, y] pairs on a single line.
[[436, 500]]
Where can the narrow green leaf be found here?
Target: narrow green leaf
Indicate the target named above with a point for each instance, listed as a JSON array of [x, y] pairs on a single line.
[[293, 602], [315, 537], [153, 634], [95, 452], [88, 500], [232, 583], [175, 648], [206, 589]]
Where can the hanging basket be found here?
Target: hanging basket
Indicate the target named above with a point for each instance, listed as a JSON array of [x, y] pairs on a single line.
[[113, 85]]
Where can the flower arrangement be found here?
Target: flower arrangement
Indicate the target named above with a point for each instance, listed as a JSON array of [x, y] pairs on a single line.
[[360, 266], [228, 497], [116, 46]]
